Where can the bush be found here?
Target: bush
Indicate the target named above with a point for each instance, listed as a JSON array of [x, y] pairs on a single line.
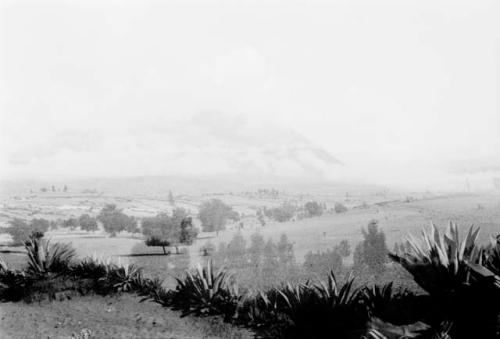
[[45, 258], [463, 291], [204, 292], [319, 310]]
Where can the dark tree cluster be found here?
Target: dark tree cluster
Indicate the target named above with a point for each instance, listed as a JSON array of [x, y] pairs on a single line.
[[20, 229], [166, 229], [214, 215], [321, 262], [313, 209], [283, 213], [260, 262], [115, 221], [372, 252]]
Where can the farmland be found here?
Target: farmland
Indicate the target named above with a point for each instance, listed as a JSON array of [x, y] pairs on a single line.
[[397, 215]]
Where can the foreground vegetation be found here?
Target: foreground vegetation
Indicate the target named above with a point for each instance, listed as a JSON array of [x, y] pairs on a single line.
[[461, 281]]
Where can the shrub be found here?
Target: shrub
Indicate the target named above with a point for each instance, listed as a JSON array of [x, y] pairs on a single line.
[[45, 258], [205, 292], [463, 291], [438, 263], [319, 310]]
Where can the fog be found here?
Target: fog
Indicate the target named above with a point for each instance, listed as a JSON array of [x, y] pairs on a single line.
[[402, 93]]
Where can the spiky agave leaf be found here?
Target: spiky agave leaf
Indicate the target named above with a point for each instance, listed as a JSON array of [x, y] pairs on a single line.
[[438, 261], [44, 257], [205, 292]]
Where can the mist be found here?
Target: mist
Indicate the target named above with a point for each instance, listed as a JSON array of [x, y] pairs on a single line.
[[400, 93]]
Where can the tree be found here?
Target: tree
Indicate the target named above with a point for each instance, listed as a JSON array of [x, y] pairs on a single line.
[[283, 213], [87, 223], [285, 251], [321, 263], [154, 241], [236, 251], [260, 218], [65, 189], [171, 200], [256, 249], [70, 223], [20, 230], [313, 209], [114, 220], [343, 248], [340, 208], [40, 225], [270, 261], [372, 251], [214, 215], [188, 231], [169, 230]]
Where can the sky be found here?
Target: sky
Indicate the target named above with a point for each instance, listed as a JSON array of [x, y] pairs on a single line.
[[400, 92]]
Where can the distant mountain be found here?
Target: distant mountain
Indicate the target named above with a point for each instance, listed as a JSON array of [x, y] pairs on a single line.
[[238, 146], [206, 146]]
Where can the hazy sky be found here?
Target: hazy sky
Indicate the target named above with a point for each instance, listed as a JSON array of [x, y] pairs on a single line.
[[399, 91]]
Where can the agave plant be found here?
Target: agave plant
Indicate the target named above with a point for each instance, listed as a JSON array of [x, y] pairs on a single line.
[[316, 310], [124, 277], [490, 255], [438, 262], [463, 291], [205, 292], [44, 257], [3, 265], [398, 306]]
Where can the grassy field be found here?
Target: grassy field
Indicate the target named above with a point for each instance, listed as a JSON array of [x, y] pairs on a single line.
[[107, 317], [396, 217]]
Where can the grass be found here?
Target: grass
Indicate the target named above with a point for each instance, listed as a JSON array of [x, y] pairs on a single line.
[[123, 316]]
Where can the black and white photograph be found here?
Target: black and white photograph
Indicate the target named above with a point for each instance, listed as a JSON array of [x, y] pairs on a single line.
[[236, 169]]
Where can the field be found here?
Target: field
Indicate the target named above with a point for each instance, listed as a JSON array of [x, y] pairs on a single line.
[[397, 215], [110, 317]]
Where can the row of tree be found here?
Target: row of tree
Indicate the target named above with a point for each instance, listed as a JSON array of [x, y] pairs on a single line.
[[287, 211]]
